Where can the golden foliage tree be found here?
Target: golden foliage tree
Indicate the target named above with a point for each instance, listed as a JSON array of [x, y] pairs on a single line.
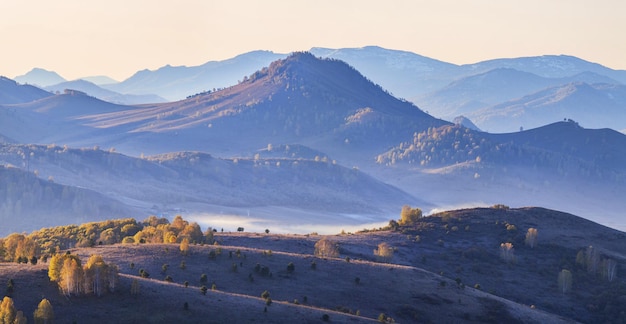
[[531, 237], [409, 216], [184, 246], [193, 232], [7, 311], [326, 248], [507, 252], [71, 278], [96, 275], [44, 314]]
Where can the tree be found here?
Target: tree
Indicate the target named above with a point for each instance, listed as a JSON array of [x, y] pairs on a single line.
[[589, 259], [7, 311], [291, 267], [208, 236], [193, 232], [184, 246], [507, 252], [326, 248], [20, 318], [393, 225], [592, 258], [609, 269], [565, 280], [99, 277], [134, 287], [531, 237], [54, 267], [71, 279], [409, 216], [44, 313], [384, 252]]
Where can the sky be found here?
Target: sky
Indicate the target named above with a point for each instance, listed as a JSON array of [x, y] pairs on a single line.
[[78, 38]]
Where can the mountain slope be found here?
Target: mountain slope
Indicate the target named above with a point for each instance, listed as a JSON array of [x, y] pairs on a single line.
[[560, 166], [103, 94], [324, 104], [178, 82], [594, 106], [549, 66], [11, 92], [469, 94], [403, 73], [199, 183], [28, 202]]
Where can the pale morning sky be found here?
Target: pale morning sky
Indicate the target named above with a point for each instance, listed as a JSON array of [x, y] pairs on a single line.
[[79, 38]]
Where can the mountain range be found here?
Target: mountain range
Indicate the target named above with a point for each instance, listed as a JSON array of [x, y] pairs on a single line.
[[103, 94], [443, 89], [307, 136]]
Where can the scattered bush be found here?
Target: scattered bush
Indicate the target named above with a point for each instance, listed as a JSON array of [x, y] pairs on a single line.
[[326, 248]]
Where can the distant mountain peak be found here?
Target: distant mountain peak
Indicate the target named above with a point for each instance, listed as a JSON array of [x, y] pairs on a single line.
[[40, 77]]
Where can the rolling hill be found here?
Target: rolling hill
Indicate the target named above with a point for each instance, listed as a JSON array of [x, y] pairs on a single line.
[[460, 266], [27, 202], [12, 93], [198, 183]]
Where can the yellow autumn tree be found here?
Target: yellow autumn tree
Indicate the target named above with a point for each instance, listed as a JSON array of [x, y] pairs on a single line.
[[7, 310], [96, 275], [184, 246], [54, 267], [409, 216], [44, 314], [531, 237], [71, 278]]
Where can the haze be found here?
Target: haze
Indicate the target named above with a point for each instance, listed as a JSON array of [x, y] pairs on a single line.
[[117, 38]]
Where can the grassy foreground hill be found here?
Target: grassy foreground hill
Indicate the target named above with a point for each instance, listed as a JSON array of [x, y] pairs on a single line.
[[444, 268]]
